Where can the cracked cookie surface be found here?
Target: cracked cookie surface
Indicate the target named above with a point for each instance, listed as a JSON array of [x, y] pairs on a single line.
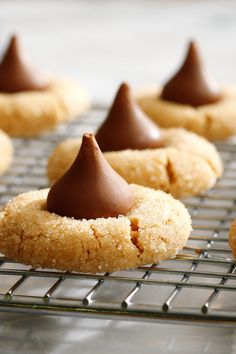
[[26, 114], [186, 165], [213, 121], [156, 228], [6, 152]]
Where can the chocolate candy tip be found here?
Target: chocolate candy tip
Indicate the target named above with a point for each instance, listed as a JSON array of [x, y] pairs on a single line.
[[127, 126], [192, 85], [16, 74], [90, 188]]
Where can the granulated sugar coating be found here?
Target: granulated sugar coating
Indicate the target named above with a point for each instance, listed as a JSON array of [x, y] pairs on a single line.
[[215, 121], [156, 228], [60, 102]]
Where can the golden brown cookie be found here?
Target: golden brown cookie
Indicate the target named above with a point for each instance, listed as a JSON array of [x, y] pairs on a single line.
[[187, 165], [214, 121], [156, 227], [27, 114], [6, 152]]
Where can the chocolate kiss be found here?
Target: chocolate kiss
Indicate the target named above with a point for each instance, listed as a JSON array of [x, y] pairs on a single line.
[[126, 126], [90, 188], [16, 75], [191, 84]]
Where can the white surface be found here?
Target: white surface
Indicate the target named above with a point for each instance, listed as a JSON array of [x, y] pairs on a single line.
[[103, 43]]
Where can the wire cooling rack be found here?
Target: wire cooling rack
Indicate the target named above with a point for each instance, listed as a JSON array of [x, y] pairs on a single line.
[[199, 286]]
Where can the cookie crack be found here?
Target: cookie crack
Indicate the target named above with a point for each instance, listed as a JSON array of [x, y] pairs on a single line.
[[164, 240], [211, 167], [95, 234], [208, 124], [170, 172], [85, 251], [134, 235]]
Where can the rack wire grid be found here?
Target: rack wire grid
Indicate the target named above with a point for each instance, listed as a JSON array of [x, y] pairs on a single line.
[[199, 286]]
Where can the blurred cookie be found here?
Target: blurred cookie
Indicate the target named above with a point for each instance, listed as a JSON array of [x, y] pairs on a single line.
[[173, 160], [193, 100], [185, 166], [30, 102]]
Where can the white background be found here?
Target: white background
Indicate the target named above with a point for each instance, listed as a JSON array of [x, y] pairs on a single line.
[[105, 42]]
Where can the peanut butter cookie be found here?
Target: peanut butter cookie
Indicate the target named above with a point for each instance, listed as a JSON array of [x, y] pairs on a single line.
[[155, 228], [30, 101], [192, 99], [186, 165]]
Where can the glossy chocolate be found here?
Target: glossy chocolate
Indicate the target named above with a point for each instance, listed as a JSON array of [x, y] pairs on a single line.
[[126, 126], [16, 74], [191, 84], [90, 188]]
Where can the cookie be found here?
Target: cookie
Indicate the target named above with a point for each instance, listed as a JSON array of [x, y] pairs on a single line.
[[156, 227], [193, 99], [32, 102], [185, 166], [6, 152], [215, 121], [92, 220], [26, 114]]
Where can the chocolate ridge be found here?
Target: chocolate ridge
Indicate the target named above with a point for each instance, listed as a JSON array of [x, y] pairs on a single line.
[[16, 74]]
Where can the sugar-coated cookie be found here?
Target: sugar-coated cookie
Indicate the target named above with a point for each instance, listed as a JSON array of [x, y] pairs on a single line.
[[27, 114], [186, 165], [30, 101], [156, 227], [192, 99], [215, 121]]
